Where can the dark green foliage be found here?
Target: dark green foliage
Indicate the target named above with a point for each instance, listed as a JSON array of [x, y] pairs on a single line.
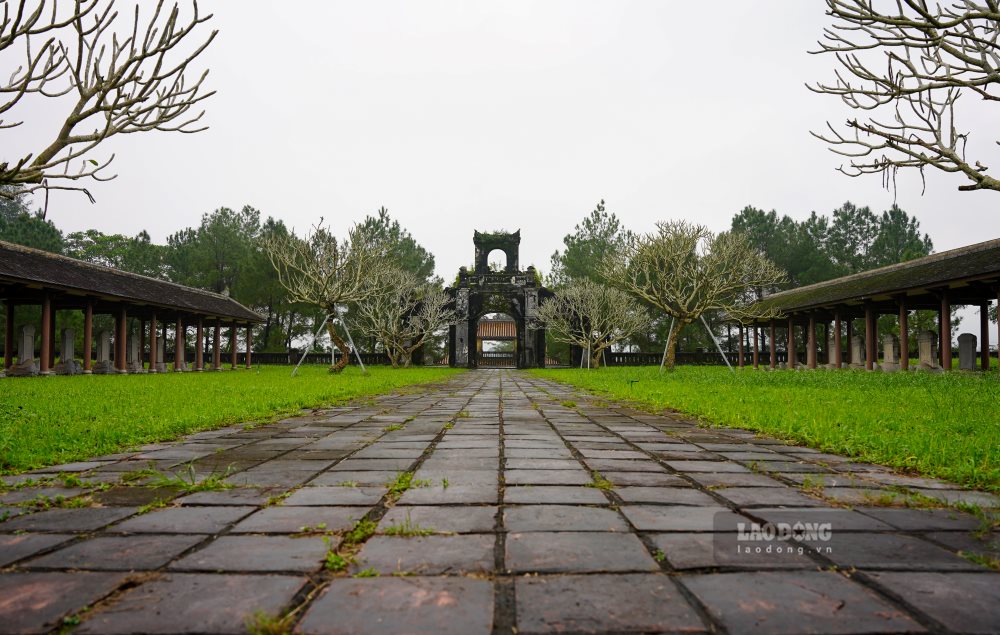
[[403, 248], [23, 227], [137, 255], [597, 235], [822, 248]]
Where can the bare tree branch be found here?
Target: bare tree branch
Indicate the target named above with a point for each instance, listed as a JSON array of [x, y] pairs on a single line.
[[121, 82], [912, 64]]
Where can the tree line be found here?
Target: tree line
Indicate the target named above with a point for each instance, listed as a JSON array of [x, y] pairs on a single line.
[[684, 273], [225, 253]]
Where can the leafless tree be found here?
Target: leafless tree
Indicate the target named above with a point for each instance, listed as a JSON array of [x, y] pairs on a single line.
[[687, 271], [320, 270], [907, 63], [403, 313], [592, 316], [112, 81]]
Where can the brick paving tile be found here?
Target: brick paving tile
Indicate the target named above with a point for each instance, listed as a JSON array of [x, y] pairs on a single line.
[[768, 497], [456, 519], [647, 603], [179, 520], [681, 518], [520, 534], [289, 520], [644, 479], [336, 496], [923, 519], [576, 551], [366, 478], [553, 495], [547, 477], [236, 496], [256, 553], [37, 602], [839, 519], [988, 545], [117, 553], [17, 546], [428, 555], [777, 603], [665, 495], [481, 494], [385, 606], [962, 602], [82, 519], [733, 480], [891, 551], [710, 550], [715, 467], [193, 603], [560, 517]]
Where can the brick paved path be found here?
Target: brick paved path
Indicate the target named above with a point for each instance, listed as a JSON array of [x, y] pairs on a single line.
[[498, 530]]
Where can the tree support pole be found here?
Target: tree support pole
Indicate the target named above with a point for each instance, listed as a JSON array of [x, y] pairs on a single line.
[[313, 342], [717, 345], [670, 332], [350, 340]]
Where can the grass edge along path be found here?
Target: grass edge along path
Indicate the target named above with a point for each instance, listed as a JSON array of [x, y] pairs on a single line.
[[53, 420], [941, 425]]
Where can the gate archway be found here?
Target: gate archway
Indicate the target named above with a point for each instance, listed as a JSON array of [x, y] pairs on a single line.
[[512, 292]]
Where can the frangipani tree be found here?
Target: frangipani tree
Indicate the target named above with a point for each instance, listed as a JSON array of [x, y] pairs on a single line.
[[105, 76], [320, 270], [403, 313], [686, 271], [592, 316]]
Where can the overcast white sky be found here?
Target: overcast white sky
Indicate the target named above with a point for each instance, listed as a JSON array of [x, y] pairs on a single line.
[[517, 114]]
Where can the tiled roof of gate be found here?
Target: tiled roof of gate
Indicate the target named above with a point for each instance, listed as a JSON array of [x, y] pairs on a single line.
[[25, 265], [974, 262], [496, 329]]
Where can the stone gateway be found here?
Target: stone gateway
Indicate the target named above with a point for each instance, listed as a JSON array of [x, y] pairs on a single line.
[[511, 291]]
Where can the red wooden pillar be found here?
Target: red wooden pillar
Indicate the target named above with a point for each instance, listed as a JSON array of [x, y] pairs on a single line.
[[142, 344], [850, 341], [179, 344], [838, 352], [153, 343], [120, 336], [199, 339], [945, 332], [773, 348], [249, 345], [984, 331], [217, 347], [904, 335], [811, 342], [869, 338], [46, 334], [8, 335], [741, 363], [232, 345], [790, 362], [88, 336], [53, 338], [756, 346]]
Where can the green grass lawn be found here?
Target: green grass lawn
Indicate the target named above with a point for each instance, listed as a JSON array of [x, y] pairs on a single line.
[[51, 420], [944, 425]]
